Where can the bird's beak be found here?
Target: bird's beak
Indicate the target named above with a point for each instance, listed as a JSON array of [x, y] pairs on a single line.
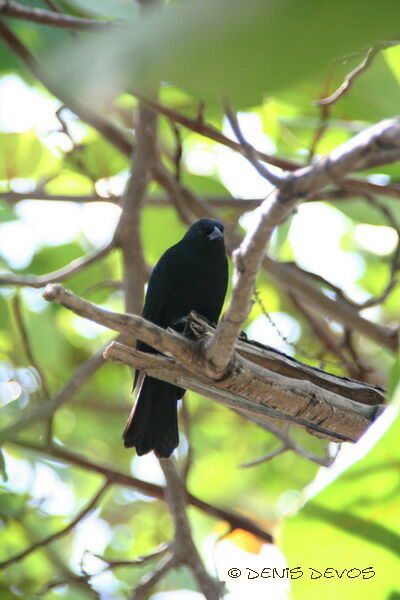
[[216, 234]]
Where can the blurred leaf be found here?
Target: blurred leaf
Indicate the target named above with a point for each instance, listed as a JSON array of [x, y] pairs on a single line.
[[7, 213], [361, 211], [115, 9], [21, 154], [3, 471], [354, 523], [227, 44], [11, 504], [97, 159]]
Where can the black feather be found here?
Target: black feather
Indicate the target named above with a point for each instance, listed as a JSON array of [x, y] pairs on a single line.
[[191, 275]]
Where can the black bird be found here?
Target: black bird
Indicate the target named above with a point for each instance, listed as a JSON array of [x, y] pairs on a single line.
[[191, 275]]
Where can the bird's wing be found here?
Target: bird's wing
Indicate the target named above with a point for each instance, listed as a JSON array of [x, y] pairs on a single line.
[[159, 293], [160, 288]]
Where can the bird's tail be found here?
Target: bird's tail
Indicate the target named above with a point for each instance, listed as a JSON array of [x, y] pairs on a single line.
[[153, 423]]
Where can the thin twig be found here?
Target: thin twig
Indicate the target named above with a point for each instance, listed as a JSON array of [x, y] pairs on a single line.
[[359, 153], [249, 152], [46, 410], [55, 536], [395, 261], [351, 77], [12, 9], [288, 443], [184, 550], [236, 520], [105, 127], [38, 281], [16, 303]]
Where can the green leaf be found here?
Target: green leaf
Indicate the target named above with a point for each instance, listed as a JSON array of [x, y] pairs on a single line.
[[21, 154], [3, 471], [97, 159], [240, 49], [361, 104], [7, 214], [361, 211], [115, 9], [353, 523]]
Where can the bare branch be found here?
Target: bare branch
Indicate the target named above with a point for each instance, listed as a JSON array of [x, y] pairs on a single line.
[[185, 551], [288, 443], [81, 375], [8, 8], [38, 281], [173, 187], [236, 520], [55, 536], [139, 561], [106, 128], [128, 234], [395, 261], [250, 153], [142, 591], [199, 126], [361, 151], [157, 337], [338, 309], [16, 302], [351, 77], [263, 392]]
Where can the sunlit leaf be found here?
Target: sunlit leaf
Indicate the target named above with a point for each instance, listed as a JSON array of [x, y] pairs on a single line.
[[353, 523]]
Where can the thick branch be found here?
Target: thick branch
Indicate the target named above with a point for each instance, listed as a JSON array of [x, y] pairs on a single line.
[[362, 151], [248, 385], [128, 232], [131, 325], [261, 391]]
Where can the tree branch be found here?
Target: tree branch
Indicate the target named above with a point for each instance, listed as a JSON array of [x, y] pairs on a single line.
[[38, 281], [128, 234], [250, 153], [198, 125], [362, 151], [351, 77], [248, 385], [236, 520], [185, 551], [47, 409], [8, 8], [293, 281], [106, 128], [55, 536]]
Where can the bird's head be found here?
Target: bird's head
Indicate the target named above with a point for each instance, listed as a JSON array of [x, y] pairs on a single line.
[[207, 233]]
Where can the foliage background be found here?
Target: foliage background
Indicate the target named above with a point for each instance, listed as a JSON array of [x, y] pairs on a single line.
[[273, 64]]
